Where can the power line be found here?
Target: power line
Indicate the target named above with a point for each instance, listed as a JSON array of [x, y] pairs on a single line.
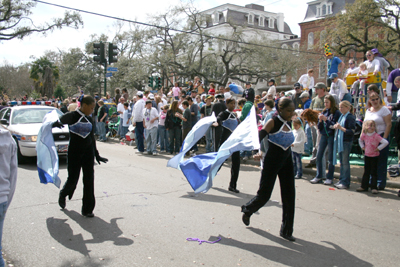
[[176, 30]]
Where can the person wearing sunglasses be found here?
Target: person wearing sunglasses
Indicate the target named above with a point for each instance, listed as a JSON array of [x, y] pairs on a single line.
[[298, 104], [383, 123]]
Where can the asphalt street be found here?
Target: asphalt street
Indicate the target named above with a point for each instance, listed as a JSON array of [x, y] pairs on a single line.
[[145, 212]]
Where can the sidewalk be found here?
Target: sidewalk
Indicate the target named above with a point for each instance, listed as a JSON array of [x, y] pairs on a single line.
[[356, 171]]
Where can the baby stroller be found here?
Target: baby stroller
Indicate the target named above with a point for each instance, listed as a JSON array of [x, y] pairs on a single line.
[[112, 125]]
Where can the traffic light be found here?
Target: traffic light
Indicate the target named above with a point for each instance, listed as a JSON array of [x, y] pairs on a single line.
[[158, 82], [150, 82], [112, 52], [99, 52]]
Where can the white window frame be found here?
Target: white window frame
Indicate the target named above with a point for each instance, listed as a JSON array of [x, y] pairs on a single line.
[[250, 18], [271, 23], [310, 40], [322, 70], [261, 20]]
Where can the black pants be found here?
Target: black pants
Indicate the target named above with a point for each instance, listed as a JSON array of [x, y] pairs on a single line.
[[281, 165], [76, 161], [370, 170], [217, 137], [235, 169]]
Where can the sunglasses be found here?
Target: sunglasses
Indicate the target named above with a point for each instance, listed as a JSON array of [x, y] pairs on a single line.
[[297, 88], [369, 55], [351, 63]]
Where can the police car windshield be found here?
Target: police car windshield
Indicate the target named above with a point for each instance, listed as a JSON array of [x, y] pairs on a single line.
[[26, 116]]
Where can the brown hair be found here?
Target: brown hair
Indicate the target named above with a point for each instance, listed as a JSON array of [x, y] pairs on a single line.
[[310, 71], [333, 107]]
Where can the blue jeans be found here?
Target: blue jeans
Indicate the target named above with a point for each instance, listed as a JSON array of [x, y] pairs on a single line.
[[151, 139], [344, 158], [308, 146], [3, 210], [124, 131], [209, 140], [120, 127], [323, 144], [101, 126], [175, 135], [297, 167], [163, 137], [382, 167], [139, 135]]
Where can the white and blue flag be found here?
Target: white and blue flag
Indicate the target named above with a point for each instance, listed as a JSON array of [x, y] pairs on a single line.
[[200, 170], [47, 157]]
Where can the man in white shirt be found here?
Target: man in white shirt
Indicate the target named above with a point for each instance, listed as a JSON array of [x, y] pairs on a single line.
[[137, 114], [150, 122], [307, 80], [339, 88]]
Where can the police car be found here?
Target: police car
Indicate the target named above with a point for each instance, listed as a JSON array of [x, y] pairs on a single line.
[[24, 123]]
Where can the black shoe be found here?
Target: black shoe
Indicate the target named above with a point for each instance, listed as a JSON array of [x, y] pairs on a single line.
[[398, 194], [310, 165], [90, 215], [246, 218], [233, 190], [61, 201], [287, 237]]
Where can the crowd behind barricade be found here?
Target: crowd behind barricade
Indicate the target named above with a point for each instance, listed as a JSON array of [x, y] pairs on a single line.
[[327, 124]]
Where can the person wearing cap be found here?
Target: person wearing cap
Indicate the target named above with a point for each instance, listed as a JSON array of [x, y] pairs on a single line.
[[333, 65], [393, 85], [339, 88], [249, 93], [307, 81], [137, 115], [217, 108], [272, 88], [206, 111], [317, 103], [383, 63], [153, 101], [298, 104], [305, 98]]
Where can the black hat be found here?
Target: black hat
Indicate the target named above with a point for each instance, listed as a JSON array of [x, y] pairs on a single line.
[[297, 85], [271, 80], [248, 83], [219, 96]]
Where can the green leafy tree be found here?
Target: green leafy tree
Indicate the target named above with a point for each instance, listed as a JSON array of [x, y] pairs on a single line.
[[16, 23], [45, 75], [59, 92], [364, 25]]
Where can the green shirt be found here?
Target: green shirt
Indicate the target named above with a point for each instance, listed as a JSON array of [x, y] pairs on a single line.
[[318, 103], [246, 109]]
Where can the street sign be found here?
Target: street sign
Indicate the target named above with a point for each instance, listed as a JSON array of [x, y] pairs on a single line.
[[108, 74], [112, 69]]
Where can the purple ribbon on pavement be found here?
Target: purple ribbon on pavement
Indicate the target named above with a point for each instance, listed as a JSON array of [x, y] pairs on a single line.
[[201, 241]]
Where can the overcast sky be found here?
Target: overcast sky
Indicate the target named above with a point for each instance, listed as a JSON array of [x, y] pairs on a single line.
[[19, 51]]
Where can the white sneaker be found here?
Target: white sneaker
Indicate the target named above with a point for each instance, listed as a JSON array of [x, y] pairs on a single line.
[[328, 182], [315, 180], [155, 153]]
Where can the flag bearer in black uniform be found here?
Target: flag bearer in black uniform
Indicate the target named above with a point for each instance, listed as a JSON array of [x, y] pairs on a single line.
[[81, 154], [277, 162], [229, 121]]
